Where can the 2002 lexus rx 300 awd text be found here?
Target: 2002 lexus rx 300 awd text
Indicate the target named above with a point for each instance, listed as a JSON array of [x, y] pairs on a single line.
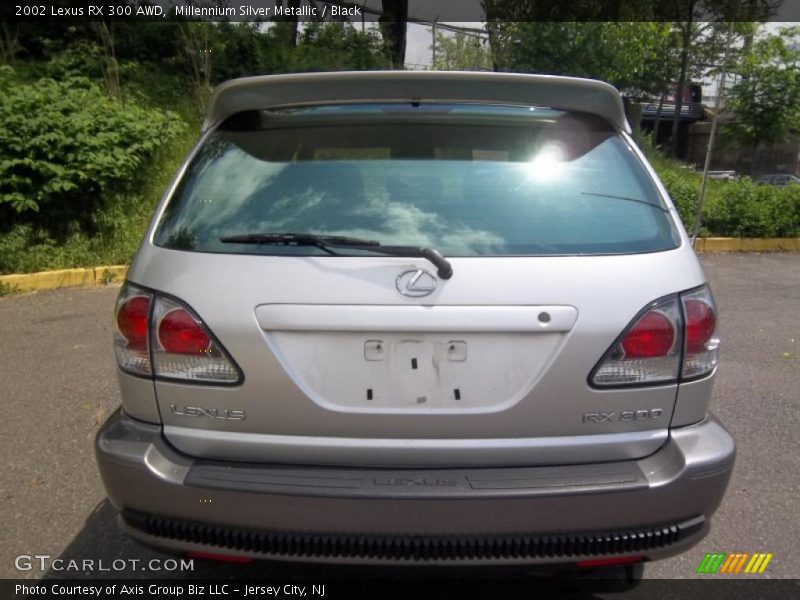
[[404, 317]]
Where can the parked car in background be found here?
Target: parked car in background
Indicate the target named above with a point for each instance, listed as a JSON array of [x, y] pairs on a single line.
[[723, 175], [417, 318], [778, 179]]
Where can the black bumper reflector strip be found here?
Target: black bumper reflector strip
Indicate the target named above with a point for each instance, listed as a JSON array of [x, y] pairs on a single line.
[[416, 547]]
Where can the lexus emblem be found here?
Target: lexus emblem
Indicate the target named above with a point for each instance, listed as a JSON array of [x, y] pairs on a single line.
[[416, 283]]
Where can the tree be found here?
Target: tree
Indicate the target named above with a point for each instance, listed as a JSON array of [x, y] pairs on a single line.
[[460, 51], [110, 64], [292, 19], [236, 50], [703, 34], [765, 101], [701, 43], [336, 46], [393, 21], [635, 57], [197, 49], [671, 40], [9, 42]]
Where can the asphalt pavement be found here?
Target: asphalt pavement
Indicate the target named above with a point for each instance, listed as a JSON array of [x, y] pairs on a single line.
[[57, 385]]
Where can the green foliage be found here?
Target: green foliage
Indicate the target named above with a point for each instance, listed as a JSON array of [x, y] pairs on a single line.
[[459, 52], [80, 60], [217, 52], [732, 208], [238, 50], [682, 188], [337, 46], [7, 289], [108, 277], [63, 143], [80, 173], [746, 209], [635, 57], [117, 224], [765, 100]]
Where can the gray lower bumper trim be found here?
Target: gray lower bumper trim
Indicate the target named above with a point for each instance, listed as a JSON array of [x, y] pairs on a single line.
[[428, 483], [305, 545], [525, 510]]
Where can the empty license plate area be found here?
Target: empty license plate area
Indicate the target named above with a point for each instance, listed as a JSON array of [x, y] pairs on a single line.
[[418, 371], [402, 372]]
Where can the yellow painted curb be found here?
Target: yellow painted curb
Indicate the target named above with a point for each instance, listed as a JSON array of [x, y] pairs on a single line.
[[722, 244], [48, 280]]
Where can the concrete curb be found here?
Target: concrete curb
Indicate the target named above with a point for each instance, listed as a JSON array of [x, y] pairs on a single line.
[[723, 244], [48, 280]]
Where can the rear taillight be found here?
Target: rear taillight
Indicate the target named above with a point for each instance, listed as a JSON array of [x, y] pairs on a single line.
[[161, 337], [648, 352], [651, 337], [674, 337], [180, 333], [183, 347], [700, 352], [131, 339]]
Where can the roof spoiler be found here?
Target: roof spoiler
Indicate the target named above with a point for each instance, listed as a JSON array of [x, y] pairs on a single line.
[[268, 91]]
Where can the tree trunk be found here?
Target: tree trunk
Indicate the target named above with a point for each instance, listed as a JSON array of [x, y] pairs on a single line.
[[433, 45], [392, 23], [491, 29], [657, 123], [9, 43], [110, 66], [633, 110], [685, 51], [752, 14], [293, 20]]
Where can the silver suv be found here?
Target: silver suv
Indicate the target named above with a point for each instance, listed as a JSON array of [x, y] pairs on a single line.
[[416, 317]]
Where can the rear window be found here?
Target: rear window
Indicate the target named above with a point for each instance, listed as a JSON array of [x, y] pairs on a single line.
[[466, 180]]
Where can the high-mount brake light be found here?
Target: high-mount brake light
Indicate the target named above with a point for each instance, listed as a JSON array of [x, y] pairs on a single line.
[[671, 339], [161, 337]]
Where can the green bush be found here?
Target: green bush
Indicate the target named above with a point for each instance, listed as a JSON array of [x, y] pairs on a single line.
[[79, 173], [118, 223], [784, 212], [64, 143], [683, 191], [81, 60], [746, 209], [732, 208]]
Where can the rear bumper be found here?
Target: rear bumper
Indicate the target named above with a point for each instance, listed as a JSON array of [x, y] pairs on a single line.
[[653, 507]]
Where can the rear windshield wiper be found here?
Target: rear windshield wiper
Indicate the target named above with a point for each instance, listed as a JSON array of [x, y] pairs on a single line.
[[627, 199], [326, 242]]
